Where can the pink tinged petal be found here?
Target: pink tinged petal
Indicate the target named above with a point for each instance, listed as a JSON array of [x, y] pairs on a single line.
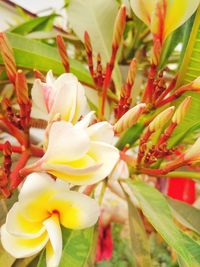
[[38, 99], [101, 131], [76, 211], [18, 225], [64, 101], [143, 9], [20, 247], [49, 78], [54, 246], [66, 143]]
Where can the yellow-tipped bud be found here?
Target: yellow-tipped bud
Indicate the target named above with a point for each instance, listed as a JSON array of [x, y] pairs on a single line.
[[131, 72], [119, 26], [193, 153], [181, 110], [160, 120], [196, 83], [129, 118]]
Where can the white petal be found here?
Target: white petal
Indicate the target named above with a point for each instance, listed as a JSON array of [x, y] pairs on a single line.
[[21, 248], [84, 123], [66, 143], [76, 211], [34, 185], [54, 246], [49, 78], [101, 131], [38, 97], [65, 78], [18, 225], [64, 101]]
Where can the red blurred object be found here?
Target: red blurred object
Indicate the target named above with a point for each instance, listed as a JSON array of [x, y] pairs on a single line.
[[181, 189], [105, 243]]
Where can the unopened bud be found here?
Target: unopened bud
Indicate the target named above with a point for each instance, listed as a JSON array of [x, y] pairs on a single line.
[[7, 149], [21, 88], [129, 118], [161, 119], [131, 73], [119, 27], [156, 52], [88, 46], [62, 49], [8, 57], [193, 153], [196, 83], [181, 110], [39, 75]]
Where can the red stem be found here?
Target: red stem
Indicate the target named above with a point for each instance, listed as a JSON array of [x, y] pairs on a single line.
[[150, 86], [15, 177]]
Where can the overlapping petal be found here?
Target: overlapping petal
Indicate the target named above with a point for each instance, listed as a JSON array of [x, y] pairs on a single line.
[[164, 16], [80, 154], [64, 95], [34, 221]]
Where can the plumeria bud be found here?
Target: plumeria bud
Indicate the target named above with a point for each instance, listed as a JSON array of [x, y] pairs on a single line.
[[131, 73], [64, 95], [129, 118], [182, 110], [193, 153], [7, 149], [119, 27], [21, 88], [34, 221], [161, 119], [39, 75], [23, 98], [80, 154], [156, 52], [163, 17], [196, 83], [62, 49], [8, 57]]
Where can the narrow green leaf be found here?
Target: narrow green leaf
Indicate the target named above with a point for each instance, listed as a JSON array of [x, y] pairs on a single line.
[[32, 25], [157, 211], [189, 70], [32, 54], [130, 135], [139, 241], [42, 259], [77, 248], [186, 214]]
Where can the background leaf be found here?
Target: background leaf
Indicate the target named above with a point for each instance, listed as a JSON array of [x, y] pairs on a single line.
[[77, 248], [155, 208], [32, 54], [186, 214], [139, 241], [97, 17]]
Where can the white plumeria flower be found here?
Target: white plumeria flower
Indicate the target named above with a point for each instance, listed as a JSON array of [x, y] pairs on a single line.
[[34, 221], [64, 95], [80, 154]]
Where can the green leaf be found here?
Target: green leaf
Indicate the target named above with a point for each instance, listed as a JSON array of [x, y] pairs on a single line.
[[130, 135], [139, 241], [34, 24], [5, 259], [77, 248], [99, 23], [32, 54], [186, 214], [156, 209], [189, 70], [42, 259]]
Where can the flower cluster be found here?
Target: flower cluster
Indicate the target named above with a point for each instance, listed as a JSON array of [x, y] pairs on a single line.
[[79, 152]]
